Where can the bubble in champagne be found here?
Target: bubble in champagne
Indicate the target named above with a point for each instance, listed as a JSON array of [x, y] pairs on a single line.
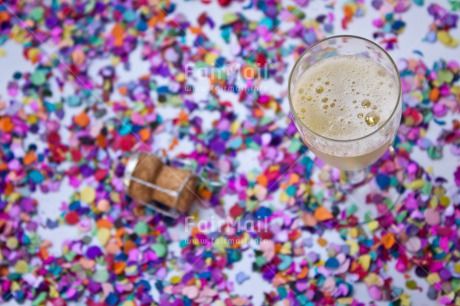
[[366, 103], [354, 101], [332, 104], [301, 91], [319, 89], [325, 99], [303, 110], [360, 115], [325, 106], [309, 98], [372, 118], [381, 73]]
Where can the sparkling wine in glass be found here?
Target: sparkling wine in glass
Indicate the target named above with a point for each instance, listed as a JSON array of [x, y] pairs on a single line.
[[345, 98]]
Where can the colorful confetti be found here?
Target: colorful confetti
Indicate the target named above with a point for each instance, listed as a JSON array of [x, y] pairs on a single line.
[[75, 117], [443, 22]]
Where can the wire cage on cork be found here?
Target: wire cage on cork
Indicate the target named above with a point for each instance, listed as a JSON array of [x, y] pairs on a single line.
[[168, 190]]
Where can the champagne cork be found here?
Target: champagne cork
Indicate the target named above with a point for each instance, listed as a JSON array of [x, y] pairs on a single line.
[[175, 188]]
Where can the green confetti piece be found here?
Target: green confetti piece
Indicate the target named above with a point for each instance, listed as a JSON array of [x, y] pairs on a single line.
[[351, 209], [69, 256], [295, 145], [401, 216], [141, 228], [76, 268], [260, 261], [159, 249], [435, 152], [426, 189], [101, 276], [38, 78], [40, 299], [36, 13]]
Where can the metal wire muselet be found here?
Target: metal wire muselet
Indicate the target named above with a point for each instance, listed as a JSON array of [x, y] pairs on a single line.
[[166, 186]]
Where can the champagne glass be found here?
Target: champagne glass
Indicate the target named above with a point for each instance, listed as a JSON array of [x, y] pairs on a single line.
[[345, 99]]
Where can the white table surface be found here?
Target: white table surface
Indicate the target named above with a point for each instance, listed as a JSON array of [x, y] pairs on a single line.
[[417, 21]]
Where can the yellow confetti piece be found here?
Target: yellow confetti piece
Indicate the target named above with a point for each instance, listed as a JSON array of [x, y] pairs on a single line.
[[15, 286], [365, 261], [345, 301], [53, 292], [128, 303], [180, 77], [417, 184], [175, 279], [444, 201], [354, 247], [457, 268], [103, 235], [221, 244], [88, 194], [115, 197], [12, 243], [235, 127], [21, 267], [210, 58], [446, 39], [253, 25], [115, 61], [286, 248], [433, 278], [2, 52], [284, 197], [373, 279], [353, 232], [373, 225], [405, 299]]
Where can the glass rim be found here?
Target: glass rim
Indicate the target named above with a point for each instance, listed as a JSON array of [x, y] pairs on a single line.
[[298, 121]]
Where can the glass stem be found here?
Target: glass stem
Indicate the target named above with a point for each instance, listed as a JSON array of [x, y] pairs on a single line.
[[355, 177]]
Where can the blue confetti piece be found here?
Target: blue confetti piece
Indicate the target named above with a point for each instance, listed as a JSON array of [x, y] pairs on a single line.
[[52, 224], [241, 277], [36, 176]]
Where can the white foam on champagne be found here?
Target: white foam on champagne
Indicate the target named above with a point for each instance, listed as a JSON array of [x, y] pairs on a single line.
[[345, 97]]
